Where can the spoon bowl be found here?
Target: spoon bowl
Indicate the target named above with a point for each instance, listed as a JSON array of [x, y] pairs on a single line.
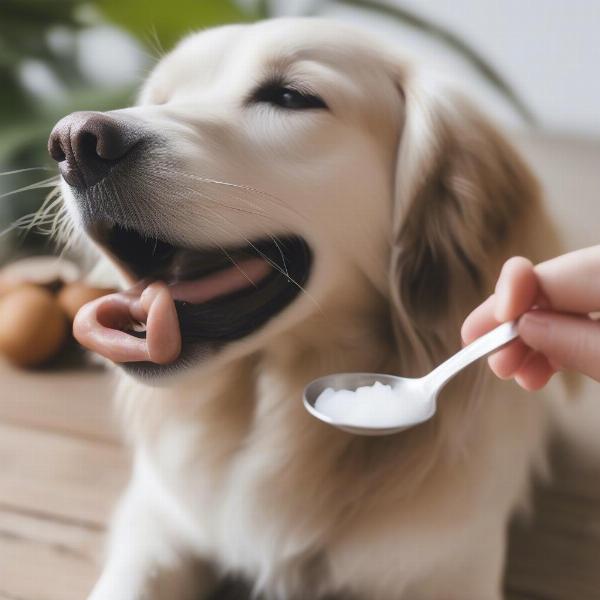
[[420, 392], [352, 381]]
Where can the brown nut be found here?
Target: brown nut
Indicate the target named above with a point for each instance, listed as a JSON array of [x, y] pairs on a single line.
[[74, 295], [47, 271], [33, 327]]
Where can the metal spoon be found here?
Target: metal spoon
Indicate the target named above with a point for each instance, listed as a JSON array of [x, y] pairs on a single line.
[[422, 391]]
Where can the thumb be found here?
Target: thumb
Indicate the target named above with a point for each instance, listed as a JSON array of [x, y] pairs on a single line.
[[571, 342]]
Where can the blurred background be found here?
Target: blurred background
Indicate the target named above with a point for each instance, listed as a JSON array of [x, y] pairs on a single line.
[[530, 64]]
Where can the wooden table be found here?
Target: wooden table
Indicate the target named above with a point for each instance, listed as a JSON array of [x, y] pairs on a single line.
[[61, 468]]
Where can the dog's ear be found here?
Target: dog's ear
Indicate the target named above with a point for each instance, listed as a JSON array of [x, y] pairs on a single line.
[[462, 195]]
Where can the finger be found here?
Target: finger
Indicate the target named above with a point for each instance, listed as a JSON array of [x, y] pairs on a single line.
[[535, 373], [569, 341], [480, 321], [516, 290], [571, 282], [508, 361]]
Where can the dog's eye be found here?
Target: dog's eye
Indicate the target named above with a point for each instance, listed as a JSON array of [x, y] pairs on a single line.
[[287, 97]]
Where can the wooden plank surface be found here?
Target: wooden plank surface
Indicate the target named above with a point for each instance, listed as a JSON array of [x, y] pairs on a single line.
[[46, 559], [70, 401], [62, 468], [53, 474]]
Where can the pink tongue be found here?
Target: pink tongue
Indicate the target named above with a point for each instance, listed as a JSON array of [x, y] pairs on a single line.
[[101, 325]]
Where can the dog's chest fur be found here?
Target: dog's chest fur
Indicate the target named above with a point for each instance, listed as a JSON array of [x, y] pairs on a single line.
[[249, 504]]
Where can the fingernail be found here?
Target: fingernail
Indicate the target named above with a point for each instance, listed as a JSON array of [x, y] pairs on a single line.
[[501, 298], [532, 327], [503, 294], [534, 318]]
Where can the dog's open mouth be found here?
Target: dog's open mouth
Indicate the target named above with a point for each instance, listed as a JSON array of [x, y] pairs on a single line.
[[185, 298]]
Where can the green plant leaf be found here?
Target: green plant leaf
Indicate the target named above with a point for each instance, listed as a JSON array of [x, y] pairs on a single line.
[[481, 65], [263, 9], [169, 21], [34, 13]]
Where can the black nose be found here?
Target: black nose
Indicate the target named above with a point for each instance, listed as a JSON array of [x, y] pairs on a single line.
[[87, 145]]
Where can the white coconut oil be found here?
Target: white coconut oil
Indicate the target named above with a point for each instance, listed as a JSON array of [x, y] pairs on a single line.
[[376, 405]]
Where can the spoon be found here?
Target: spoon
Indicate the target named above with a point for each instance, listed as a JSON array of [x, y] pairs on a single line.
[[420, 392]]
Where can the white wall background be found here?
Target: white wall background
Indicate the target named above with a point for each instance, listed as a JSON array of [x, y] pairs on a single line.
[[549, 50]]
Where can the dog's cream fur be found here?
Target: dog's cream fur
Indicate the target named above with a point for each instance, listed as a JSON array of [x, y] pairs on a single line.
[[410, 201]]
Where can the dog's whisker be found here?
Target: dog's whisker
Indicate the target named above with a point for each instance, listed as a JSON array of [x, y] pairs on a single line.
[[286, 274], [157, 178], [51, 202], [236, 265], [227, 254], [21, 223], [220, 204], [66, 232], [264, 195], [50, 219], [26, 170], [45, 217], [226, 184], [227, 206], [276, 241], [238, 232], [50, 182], [155, 44], [195, 192], [277, 267]]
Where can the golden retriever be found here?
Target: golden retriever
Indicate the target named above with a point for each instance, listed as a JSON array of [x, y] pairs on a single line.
[[313, 202]]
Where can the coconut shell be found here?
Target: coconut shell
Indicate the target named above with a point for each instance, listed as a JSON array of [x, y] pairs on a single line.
[[33, 327]]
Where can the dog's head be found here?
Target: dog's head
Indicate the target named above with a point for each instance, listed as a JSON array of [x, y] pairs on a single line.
[[272, 169]]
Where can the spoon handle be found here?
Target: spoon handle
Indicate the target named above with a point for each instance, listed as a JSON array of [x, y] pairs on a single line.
[[486, 344]]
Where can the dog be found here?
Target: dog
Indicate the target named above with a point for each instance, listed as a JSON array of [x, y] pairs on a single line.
[[298, 199]]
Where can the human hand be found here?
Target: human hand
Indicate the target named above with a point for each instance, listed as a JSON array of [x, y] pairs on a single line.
[[554, 300]]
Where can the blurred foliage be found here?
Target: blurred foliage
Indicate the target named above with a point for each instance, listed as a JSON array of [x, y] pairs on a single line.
[[167, 25], [23, 28], [28, 32]]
